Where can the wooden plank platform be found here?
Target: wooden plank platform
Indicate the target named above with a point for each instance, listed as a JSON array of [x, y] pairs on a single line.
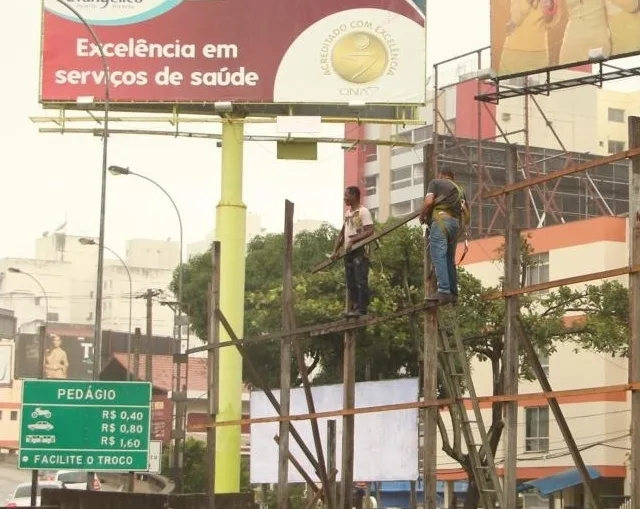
[[323, 328]]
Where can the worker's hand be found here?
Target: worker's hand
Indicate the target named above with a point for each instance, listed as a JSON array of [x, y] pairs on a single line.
[[511, 26], [422, 218], [334, 254]]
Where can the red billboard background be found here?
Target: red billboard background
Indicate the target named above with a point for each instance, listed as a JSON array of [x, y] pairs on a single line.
[[235, 50]]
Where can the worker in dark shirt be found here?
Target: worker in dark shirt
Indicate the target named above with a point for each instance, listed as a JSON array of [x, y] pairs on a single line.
[[446, 213]]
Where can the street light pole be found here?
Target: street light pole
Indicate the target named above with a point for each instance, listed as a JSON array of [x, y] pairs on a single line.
[[97, 328], [97, 345], [178, 453], [91, 242], [43, 335]]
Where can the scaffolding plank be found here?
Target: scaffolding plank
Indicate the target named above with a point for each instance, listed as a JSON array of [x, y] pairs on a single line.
[[394, 407], [583, 278], [569, 170], [322, 329]]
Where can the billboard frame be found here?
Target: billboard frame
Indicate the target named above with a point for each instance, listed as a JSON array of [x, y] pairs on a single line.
[[602, 76]]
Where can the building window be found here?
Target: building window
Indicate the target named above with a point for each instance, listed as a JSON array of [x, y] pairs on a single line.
[[374, 214], [53, 317], [401, 177], [537, 429], [404, 137], [0, 415], [615, 146], [418, 174], [538, 269], [400, 209], [371, 185], [616, 115], [14, 415], [543, 357], [36, 301]]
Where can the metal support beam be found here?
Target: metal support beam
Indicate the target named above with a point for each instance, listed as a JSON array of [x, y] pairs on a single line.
[[634, 309], [430, 355], [510, 360], [590, 487]]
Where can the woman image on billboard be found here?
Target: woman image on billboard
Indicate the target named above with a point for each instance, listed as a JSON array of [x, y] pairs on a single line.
[[56, 364]]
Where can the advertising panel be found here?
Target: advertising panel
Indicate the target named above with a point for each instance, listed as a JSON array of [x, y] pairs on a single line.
[[530, 35], [256, 51]]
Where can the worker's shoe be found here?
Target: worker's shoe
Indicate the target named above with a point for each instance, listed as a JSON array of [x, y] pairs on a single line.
[[441, 298]]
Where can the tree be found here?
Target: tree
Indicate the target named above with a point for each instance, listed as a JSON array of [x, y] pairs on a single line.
[[393, 349]]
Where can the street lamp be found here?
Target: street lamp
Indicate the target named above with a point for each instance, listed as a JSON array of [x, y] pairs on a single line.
[[119, 170], [91, 242], [97, 347], [97, 328], [43, 334]]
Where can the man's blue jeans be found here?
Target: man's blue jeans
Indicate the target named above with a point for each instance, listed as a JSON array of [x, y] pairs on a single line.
[[443, 241]]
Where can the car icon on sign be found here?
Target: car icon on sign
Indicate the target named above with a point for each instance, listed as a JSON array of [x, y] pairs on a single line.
[[41, 425]]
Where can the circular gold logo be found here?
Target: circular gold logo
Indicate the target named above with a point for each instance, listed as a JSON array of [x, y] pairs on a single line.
[[359, 57]]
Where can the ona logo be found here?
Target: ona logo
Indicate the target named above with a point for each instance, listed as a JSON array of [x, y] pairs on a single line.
[[111, 12]]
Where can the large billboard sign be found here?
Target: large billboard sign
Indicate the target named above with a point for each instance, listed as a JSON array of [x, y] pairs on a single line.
[[254, 51], [531, 35]]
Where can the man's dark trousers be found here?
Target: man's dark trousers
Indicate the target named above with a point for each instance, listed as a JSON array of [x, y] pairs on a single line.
[[356, 269]]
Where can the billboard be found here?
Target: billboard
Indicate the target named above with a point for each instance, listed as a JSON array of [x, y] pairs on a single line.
[[254, 51], [70, 356], [530, 35]]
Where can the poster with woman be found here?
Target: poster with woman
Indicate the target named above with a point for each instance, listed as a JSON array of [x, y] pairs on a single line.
[[532, 35]]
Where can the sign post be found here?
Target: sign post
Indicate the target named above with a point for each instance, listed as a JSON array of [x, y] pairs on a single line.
[[85, 425]]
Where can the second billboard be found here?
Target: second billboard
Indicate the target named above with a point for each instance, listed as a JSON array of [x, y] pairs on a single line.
[[530, 35]]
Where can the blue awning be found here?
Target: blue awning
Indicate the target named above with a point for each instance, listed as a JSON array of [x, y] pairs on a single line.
[[557, 482]]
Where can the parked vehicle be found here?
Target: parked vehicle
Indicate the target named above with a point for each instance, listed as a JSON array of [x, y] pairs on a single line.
[[22, 494]]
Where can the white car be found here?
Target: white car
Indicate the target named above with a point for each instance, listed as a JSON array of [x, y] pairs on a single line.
[[72, 479], [22, 494], [41, 425]]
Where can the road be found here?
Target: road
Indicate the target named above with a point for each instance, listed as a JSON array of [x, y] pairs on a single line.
[[9, 478]]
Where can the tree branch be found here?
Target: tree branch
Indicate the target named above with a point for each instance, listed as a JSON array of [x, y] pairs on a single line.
[[453, 452]]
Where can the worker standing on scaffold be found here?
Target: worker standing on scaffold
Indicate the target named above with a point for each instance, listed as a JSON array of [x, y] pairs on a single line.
[[357, 226], [446, 214]]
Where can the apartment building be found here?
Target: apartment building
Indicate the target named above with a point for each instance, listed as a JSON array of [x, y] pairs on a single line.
[[600, 423], [66, 270], [588, 121]]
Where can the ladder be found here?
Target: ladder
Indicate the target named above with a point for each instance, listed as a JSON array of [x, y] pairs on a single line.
[[456, 377]]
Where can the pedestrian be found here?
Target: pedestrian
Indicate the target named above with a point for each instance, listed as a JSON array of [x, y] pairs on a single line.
[[357, 226], [446, 213]]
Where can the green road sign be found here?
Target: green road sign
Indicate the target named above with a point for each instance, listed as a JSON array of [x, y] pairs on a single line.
[[83, 425]]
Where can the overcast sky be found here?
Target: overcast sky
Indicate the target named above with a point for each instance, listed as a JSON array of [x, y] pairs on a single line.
[[47, 178]]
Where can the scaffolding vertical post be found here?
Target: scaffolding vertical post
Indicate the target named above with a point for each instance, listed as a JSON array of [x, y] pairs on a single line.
[[331, 460], [212, 373], [511, 348], [285, 360], [348, 421], [634, 309], [430, 356]]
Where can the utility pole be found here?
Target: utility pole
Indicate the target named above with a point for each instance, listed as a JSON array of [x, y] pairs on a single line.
[[148, 296]]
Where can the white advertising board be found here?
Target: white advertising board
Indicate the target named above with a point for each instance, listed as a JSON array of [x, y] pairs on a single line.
[[386, 443]]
